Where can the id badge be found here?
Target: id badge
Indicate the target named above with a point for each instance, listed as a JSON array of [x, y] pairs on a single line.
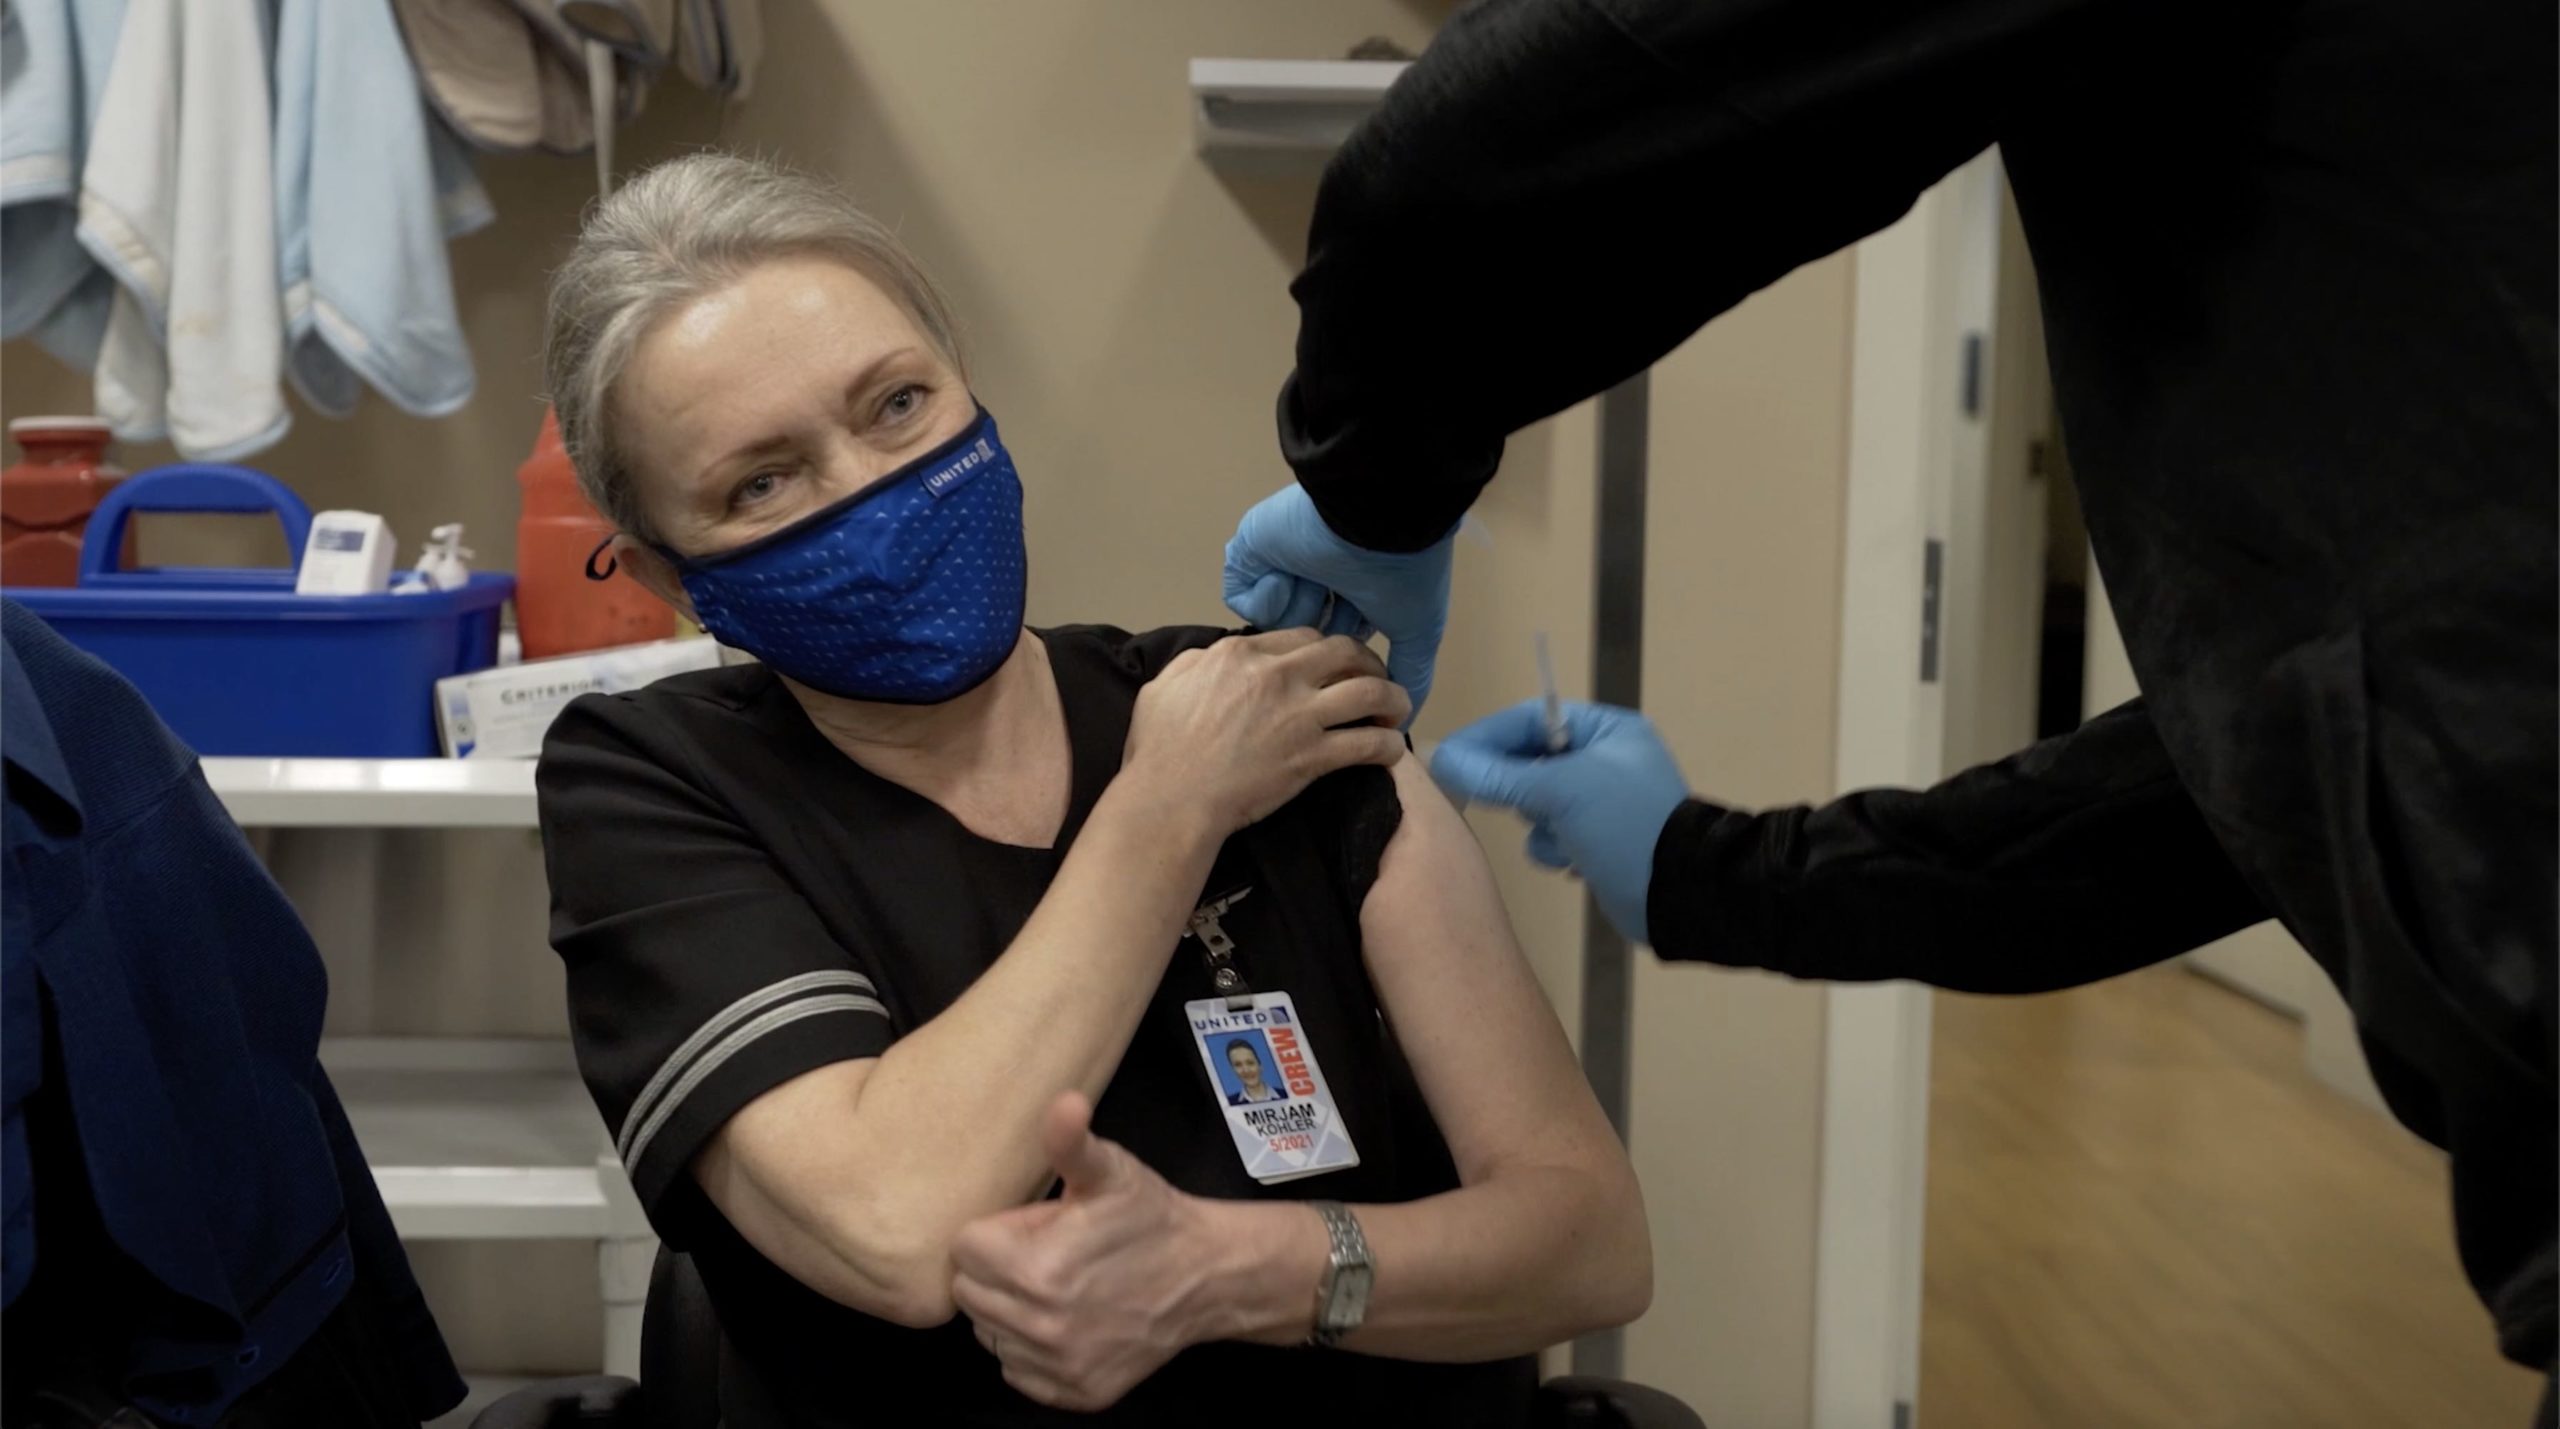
[[1269, 1087]]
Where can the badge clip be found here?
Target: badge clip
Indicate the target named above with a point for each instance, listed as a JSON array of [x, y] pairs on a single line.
[[1219, 949]]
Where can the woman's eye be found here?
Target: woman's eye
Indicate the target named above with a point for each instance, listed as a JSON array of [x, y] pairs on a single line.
[[903, 403], [756, 488]]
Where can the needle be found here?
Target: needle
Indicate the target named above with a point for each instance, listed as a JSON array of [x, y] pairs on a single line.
[[1559, 739]]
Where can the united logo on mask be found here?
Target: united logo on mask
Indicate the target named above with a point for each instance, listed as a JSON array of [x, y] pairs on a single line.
[[910, 591], [956, 474]]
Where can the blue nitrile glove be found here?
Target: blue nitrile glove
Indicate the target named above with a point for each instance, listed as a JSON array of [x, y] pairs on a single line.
[[1285, 560], [1597, 809]]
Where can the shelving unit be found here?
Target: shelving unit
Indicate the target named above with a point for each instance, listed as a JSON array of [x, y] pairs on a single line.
[[1309, 106], [468, 1138], [473, 1139]]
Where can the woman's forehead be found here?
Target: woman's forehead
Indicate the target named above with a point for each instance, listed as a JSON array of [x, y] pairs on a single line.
[[732, 363], [785, 307]]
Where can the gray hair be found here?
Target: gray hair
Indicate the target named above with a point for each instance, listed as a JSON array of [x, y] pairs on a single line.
[[673, 233]]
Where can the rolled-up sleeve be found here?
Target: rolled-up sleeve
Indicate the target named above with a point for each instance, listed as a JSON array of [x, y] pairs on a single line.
[[2072, 861], [698, 977]]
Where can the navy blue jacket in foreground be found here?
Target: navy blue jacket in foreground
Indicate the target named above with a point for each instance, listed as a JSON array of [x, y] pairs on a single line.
[[161, 991]]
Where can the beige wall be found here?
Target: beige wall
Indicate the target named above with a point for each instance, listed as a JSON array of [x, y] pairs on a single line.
[[1125, 305]]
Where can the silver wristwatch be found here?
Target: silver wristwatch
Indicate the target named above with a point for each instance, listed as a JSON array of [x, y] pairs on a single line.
[[1342, 1296]]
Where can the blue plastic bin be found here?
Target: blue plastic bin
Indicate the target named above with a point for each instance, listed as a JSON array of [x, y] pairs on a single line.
[[239, 664]]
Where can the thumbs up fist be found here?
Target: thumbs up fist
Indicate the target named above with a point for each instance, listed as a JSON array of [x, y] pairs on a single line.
[[1083, 1296], [1088, 1167]]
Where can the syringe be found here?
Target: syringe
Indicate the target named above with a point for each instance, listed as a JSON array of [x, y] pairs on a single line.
[[1559, 738]]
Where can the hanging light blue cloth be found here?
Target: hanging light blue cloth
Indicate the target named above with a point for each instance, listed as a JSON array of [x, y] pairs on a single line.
[[53, 67], [369, 187]]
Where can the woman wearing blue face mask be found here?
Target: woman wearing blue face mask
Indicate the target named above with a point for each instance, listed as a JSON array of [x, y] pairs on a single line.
[[872, 943]]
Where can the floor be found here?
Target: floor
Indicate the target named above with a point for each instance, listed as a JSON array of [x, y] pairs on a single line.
[[2144, 1213]]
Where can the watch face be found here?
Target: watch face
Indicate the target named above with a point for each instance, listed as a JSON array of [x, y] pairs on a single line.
[[1350, 1302]]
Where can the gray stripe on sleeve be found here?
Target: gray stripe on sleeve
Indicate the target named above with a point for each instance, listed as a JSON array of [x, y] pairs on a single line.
[[730, 1046], [716, 1026]]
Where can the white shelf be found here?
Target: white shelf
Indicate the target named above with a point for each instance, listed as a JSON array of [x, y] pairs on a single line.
[[375, 793], [481, 1139], [1303, 105]]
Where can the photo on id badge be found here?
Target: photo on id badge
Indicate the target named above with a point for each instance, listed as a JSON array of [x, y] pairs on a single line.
[[1272, 1093], [1245, 1071]]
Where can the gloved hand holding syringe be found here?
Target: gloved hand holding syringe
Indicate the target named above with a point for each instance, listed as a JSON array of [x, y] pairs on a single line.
[[1596, 783]]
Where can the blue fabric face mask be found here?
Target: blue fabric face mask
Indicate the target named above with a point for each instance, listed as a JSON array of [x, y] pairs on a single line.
[[909, 591]]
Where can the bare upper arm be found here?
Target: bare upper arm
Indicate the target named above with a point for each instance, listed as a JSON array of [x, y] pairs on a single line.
[[1483, 1041]]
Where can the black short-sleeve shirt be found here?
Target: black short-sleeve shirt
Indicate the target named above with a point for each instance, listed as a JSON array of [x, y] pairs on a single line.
[[738, 903]]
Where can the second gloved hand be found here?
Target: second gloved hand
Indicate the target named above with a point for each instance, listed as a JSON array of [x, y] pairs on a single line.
[[1597, 809], [1285, 560]]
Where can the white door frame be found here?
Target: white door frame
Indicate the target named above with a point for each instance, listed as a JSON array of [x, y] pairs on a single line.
[[1923, 287]]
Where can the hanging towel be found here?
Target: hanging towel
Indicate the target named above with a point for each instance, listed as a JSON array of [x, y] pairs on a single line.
[[360, 220], [177, 200], [568, 119], [570, 107], [476, 62], [509, 75], [39, 163], [460, 200], [742, 38], [48, 108], [641, 31], [718, 43], [699, 54], [73, 331]]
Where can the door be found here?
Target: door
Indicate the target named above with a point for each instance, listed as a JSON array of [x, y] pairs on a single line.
[[1940, 603]]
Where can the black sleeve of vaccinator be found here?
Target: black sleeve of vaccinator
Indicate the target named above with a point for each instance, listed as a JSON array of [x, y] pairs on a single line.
[[1561, 191], [2078, 859]]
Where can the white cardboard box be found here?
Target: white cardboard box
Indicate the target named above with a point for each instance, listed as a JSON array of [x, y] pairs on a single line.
[[503, 712]]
